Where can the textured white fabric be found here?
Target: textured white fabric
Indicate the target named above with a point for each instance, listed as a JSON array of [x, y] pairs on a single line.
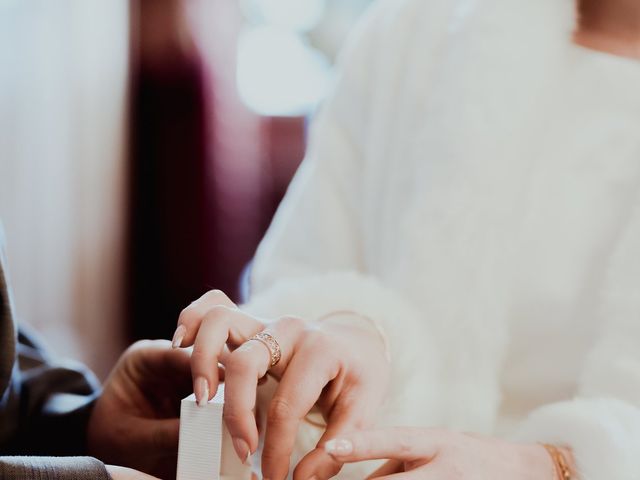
[[472, 184]]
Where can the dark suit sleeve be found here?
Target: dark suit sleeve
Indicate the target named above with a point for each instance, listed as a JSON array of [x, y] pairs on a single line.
[[48, 396], [52, 468], [44, 418]]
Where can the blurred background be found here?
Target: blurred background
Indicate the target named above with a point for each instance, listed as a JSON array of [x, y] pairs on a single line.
[[144, 147]]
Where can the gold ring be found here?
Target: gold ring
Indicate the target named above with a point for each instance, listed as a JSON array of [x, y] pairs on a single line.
[[272, 345]]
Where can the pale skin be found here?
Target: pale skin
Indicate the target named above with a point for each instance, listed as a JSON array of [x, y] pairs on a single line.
[[350, 377], [342, 384]]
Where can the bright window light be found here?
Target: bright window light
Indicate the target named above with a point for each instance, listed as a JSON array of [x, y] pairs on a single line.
[[279, 74]]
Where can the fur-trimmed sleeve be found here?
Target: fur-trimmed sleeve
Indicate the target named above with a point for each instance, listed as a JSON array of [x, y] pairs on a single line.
[[602, 424]]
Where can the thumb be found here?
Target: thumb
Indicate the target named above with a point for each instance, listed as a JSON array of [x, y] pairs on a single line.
[[400, 443], [344, 418]]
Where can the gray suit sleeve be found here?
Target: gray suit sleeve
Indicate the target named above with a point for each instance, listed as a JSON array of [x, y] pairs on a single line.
[[52, 468], [47, 396]]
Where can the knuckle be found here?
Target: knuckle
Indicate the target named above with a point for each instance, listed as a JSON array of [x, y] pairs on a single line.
[[217, 296], [188, 315], [318, 341], [280, 410], [231, 416], [320, 346], [276, 455], [218, 313], [214, 293], [270, 458], [292, 322], [141, 345]]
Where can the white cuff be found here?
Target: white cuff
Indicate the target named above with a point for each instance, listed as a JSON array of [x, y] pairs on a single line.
[[604, 435]]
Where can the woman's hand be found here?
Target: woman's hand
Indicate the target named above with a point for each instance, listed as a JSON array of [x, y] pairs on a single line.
[[338, 365], [439, 454], [135, 420]]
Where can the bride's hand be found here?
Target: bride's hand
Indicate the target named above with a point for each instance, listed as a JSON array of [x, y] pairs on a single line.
[[338, 364], [421, 453]]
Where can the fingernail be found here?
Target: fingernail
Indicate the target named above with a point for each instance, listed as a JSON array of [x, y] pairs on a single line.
[[242, 449], [201, 388], [338, 447], [178, 336]]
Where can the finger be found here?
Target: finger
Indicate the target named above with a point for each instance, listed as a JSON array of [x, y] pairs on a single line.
[[160, 436], [191, 317], [157, 370], [406, 444], [389, 468], [221, 325], [299, 389], [351, 412], [317, 464], [243, 369]]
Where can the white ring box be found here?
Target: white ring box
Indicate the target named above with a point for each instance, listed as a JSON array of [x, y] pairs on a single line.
[[206, 450]]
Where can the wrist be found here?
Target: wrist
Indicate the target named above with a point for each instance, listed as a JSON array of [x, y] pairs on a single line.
[[540, 463], [357, 321]]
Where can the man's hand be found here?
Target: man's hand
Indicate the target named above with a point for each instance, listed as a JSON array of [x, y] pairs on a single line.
[[135, 422]]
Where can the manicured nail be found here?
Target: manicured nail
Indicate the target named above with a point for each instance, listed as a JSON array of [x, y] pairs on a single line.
[[242, 449], [338, 447], [181, 331], [201, 391]]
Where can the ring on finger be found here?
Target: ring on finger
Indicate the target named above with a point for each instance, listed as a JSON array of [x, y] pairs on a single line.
[[272, 345]]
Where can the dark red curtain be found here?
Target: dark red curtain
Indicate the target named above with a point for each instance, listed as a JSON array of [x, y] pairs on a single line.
[[206, 174], [171, 241]]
